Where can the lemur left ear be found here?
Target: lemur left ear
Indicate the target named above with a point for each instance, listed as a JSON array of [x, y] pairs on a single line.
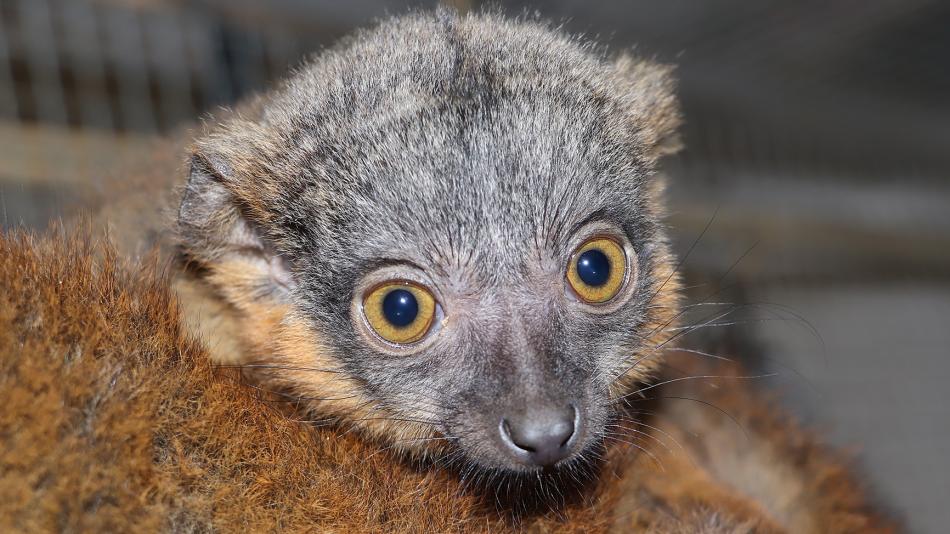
[[652, 106]]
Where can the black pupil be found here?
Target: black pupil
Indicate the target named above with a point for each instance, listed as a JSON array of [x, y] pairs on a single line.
[[400, 307], [593, 267]]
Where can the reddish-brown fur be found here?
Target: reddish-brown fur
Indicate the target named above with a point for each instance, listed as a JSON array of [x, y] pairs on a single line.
[[115, 420]]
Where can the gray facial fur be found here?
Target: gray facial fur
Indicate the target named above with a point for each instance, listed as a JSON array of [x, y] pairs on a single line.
[[472, 155]]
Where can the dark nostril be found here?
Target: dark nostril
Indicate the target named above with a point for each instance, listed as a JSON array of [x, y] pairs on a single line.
[[568, 435], [542, 436], [506, 433]]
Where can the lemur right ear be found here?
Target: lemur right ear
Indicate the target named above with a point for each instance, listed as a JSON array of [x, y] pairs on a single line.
[[216, 234], [207, 207]]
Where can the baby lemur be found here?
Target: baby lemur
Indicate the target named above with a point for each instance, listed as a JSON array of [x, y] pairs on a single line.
[[445, 232], [449, 227]]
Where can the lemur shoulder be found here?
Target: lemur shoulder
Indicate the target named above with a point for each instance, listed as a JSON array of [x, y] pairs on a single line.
[[441, 244]]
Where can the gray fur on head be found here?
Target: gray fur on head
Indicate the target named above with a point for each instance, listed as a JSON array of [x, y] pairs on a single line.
[[471, 154]]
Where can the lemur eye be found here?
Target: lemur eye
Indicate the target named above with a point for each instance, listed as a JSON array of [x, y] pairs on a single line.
[[399, 312], [597, 270]]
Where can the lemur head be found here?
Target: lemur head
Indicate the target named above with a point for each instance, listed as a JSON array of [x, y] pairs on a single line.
[[445, 232]]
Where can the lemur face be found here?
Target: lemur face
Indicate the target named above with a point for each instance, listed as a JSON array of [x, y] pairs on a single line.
[[472, 237], [489, 280]]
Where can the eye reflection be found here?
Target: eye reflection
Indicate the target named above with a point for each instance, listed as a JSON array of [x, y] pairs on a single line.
[[400, 307], [593, 267]]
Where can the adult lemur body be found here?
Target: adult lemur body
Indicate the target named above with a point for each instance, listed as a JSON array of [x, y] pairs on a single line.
[[445, 233]]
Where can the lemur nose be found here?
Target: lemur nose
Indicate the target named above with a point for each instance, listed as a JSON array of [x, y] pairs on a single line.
[[540, 437]]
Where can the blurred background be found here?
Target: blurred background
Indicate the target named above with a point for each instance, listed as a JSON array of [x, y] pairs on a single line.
[[813, 191]]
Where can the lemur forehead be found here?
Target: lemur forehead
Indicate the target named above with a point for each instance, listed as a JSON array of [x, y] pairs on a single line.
[[424, 61], [448, 131]]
